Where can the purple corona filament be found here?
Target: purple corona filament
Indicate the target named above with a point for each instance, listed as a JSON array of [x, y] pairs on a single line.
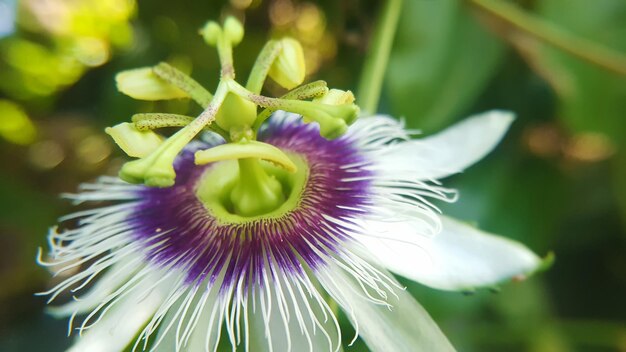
[[175, 227]]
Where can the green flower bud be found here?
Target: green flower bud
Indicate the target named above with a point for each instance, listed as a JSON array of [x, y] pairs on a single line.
[[289, 68], [144, 84], [233, 29], [133, 142], [211, 33]]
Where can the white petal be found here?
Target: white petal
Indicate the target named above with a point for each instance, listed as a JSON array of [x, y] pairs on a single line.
[[449, 151], [403, 327], [194, 321], [118, 326], [204, 336], [107, 284], [459, 257], [300, 326]]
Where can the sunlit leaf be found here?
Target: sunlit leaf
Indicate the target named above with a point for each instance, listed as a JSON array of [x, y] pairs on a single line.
[[15, 125]]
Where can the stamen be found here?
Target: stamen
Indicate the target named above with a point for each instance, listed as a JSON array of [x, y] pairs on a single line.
[[307, 91], [144, 84], [331, 118], [288, 69], [156, 169], [151, 121], [183, 82], [133, 141], [233, 108]]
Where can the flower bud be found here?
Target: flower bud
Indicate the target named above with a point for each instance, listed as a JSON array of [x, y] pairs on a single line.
[[144, 84], [211, 33], [289, 68], [233, 29], [133, 142]]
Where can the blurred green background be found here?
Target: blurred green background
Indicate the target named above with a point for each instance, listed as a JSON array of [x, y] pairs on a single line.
[[557, 182]]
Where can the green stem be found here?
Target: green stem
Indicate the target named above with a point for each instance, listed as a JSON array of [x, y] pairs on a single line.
[[225, 53], [262, 66], [587, 50], [368, 92]]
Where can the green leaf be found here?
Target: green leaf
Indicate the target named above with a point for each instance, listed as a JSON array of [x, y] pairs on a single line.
[[592, 99], [619, 183], [441, 62]]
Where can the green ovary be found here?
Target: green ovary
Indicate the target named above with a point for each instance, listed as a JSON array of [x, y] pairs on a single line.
[[240, 191]]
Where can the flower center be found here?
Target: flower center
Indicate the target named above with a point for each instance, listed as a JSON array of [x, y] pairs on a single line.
[[244, 190], [231, 112]]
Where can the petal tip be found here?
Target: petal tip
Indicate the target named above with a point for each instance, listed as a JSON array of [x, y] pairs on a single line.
[[504, 118], [546, 262]]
